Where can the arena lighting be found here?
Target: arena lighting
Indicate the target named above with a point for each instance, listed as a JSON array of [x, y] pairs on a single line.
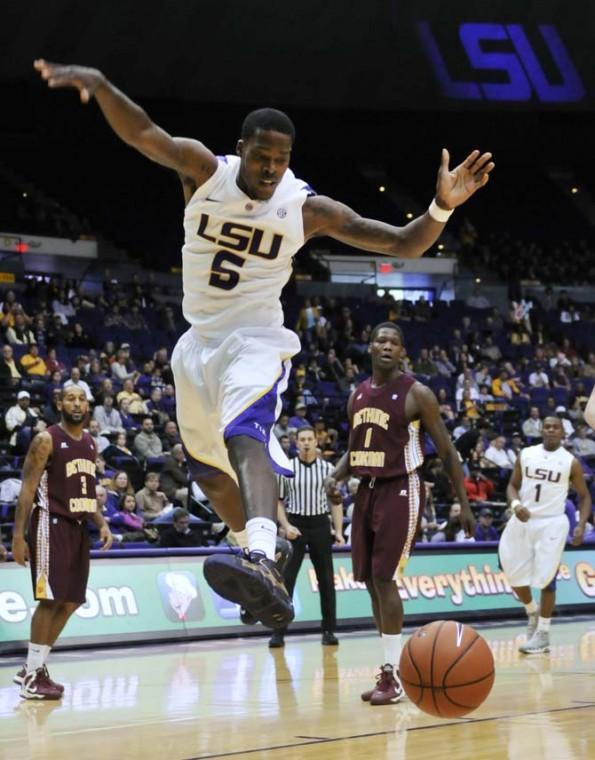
[[574, 190], [440, 246], [478, 280], [381, 189], [409, 215], [24, 195], [385, 267]]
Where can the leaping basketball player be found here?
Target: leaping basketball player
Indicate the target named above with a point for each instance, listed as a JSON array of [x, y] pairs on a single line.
[[534, 538], [246, 217], [387, 413]]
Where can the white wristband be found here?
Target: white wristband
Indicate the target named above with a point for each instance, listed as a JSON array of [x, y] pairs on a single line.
[[437, 213], [514, 504]]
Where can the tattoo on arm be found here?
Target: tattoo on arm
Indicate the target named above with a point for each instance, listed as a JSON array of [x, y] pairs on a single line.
[[33, 467]]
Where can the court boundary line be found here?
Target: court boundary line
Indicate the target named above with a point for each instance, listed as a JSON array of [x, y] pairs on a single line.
[[461, 722]]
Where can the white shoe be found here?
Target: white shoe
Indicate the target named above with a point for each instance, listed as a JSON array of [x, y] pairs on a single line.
[[538, 643], [533, 619]]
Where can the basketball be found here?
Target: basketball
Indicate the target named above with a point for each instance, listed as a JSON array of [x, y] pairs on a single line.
[[447, 669]]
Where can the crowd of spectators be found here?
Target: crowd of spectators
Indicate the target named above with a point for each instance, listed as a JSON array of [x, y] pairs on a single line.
[[496, 376]]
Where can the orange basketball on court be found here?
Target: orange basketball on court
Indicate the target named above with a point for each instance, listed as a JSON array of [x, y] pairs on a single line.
[[447, 669]]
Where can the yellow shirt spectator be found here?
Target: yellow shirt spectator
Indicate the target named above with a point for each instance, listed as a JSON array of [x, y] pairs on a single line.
[[32, 362]]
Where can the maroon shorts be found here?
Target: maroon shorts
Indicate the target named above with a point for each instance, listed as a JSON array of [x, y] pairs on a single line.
[[59, 557], [385, 522]]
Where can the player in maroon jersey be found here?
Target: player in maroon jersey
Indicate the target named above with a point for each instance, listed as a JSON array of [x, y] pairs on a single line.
[[59, 485], [387, 413]]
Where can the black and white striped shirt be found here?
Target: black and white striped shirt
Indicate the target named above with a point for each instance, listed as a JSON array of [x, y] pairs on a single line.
[[304, 494]]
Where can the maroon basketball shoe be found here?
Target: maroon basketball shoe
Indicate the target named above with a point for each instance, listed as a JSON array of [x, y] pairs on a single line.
[[20, 677], [37, 685], [389, 689]]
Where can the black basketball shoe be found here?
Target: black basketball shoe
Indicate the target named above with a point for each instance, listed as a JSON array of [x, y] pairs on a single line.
[[283, 552], [253, 582]]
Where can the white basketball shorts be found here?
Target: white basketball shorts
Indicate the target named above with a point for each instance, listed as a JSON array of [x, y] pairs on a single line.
[[233, 388], [530, 551]]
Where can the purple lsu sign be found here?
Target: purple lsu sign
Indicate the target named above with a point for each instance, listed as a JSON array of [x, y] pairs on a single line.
[[524, 73]]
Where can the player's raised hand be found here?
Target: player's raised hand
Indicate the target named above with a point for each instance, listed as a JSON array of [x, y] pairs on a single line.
[[81, 78], [455, 186]]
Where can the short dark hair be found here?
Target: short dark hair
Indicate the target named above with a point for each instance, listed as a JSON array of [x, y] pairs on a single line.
[[267, 119], [180, 513], [304, 429], [390, 326]]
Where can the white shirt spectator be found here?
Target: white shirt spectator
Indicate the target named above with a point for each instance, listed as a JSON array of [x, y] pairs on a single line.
[[583, 447], [501, 457], [532, 427], [109, 421], [539, 379]]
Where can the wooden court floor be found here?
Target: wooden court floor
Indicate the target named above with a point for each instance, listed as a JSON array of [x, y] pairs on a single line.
[[238, 699]]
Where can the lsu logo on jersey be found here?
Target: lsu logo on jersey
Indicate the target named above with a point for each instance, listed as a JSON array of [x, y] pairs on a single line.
[[541, 473], [234, 237]]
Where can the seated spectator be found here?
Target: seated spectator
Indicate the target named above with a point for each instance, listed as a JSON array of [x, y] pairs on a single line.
[[490, 350], [483, 376], [559, 379], [96, 376], [118, 487], [446, 410], [103, 475], [122, 369], [424, 365], [136, 405], [477, 457], [478, 487], [533, 426], [50, 412], [562, 415], [78, 338], [299, 418], [53, 364], [106, 388], [128, 421], [108, 418], [477, 300], [171, 435], [20, 416], [463, 427], [443, 364], [484, 530], [174, 475], [155, 407], [75, 379], [32, 363], [468, 406], [150, 501], [285, 445], [499, 455], [107, 510], [20, 334], [118, 452], [281, 427], [101, 442], [538, 378], [451, 530], [128, 520], [180, 535], [9, 371], [147, 443], [582, 445]]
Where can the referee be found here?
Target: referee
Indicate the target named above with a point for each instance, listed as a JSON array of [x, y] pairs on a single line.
[[303, 514]]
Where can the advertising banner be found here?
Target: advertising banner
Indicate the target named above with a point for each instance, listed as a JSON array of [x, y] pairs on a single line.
[[149, 599]]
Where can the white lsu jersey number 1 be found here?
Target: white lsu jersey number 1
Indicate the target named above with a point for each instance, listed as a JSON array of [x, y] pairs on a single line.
[[545, 480]]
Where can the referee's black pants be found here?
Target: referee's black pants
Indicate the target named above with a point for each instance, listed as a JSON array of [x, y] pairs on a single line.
[[317, 538]]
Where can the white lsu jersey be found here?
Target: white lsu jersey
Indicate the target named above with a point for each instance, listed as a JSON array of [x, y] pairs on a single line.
[[546, 476], [238, 252]]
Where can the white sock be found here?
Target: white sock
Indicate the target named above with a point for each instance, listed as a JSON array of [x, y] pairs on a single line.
[[531, 608], [35, 656], [46, 652], [262, 536], [543, 624], [391, 643], [241, 536]]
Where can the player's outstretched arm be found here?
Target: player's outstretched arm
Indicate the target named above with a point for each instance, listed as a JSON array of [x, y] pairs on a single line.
[[325, 216], [425, 408], [33, 467], [577, 478], [130, 122]]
